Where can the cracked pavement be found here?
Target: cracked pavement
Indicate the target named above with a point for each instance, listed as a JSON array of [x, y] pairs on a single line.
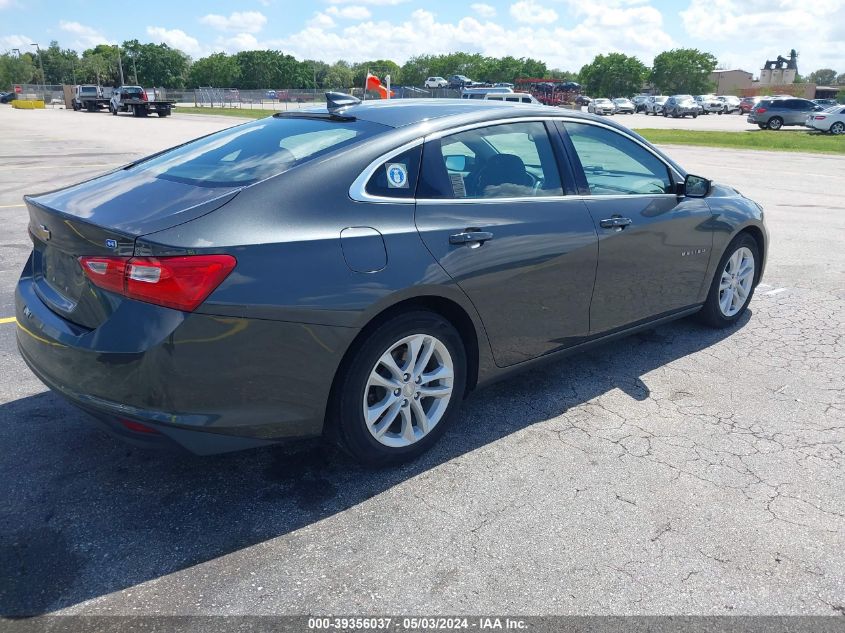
[[679, 471]]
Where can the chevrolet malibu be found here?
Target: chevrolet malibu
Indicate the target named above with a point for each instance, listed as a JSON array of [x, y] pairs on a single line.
[[355, 272]]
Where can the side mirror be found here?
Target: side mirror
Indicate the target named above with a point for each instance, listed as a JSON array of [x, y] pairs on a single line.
[[456, 162], [697, 186]]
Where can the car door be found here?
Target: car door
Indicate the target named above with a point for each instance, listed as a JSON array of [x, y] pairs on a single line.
[[492, 208], [654, 246]]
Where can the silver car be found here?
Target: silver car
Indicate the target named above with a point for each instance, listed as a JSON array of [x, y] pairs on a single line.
[[601, 106], [623, 106], [654, 105], [775, 113], [830, 120], [709, 103]]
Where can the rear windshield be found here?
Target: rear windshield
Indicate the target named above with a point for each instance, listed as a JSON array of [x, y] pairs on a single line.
[[254, 151], [88, 89]]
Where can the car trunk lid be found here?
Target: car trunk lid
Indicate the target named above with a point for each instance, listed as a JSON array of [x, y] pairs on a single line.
[[103, 217]]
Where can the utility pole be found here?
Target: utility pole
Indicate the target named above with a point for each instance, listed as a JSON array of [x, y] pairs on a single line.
[[119, 64], [41, 63], [134, 68]]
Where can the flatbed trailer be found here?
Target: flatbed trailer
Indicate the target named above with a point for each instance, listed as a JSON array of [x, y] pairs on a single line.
[[91, 104], [141, 107]]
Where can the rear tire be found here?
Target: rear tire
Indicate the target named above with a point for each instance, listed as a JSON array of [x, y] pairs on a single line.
[[837, 128], [775, 123], [401, 422], [727, 281]]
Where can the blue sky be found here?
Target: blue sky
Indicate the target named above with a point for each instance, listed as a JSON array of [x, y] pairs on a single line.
[[564, 33]]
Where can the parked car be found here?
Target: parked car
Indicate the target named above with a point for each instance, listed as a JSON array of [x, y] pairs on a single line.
[[709, 104], [512, 97], [435, 82], [639, 102], [730, 104], [480, 93], [7, 97], [503, 84], [825, 103], [137, 101], [681, 106], [829, 120], [582, 100], [460, 81], [747, 104], [270, 94], [186, 320], [773, 114], [654, 105], [601, 106], [623, 106]]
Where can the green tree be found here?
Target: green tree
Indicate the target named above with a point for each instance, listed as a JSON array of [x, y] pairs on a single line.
[[822, 77], [613, 75], [683, 71], [339, 76], [154, 64], [840, 80], [218, 69], [17, 69], [59, 65]]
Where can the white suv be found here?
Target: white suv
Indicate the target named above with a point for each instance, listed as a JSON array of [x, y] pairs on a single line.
[[435, 82]]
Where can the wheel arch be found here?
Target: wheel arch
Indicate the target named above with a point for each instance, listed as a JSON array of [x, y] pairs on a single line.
[[757, 234], [448, 308]]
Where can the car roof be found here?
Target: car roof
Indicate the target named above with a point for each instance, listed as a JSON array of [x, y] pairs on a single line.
[[443, 113]]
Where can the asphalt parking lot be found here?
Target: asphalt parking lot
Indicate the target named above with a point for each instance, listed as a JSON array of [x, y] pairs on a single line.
[[680, 471]]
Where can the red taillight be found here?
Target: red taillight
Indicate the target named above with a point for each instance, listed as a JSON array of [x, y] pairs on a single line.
[[137, 427], [144, 96], [759, 110], [820, 117], [182, 283]]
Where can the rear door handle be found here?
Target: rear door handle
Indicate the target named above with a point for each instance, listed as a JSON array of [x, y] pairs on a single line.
[[470, 237], [616, 222]]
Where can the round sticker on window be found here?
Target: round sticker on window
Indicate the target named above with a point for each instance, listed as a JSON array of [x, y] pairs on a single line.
[[397, 175]]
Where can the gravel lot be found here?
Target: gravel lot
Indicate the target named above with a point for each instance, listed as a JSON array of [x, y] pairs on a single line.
[[680, 471]]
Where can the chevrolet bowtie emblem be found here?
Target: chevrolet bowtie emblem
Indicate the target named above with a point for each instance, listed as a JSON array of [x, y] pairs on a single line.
[[43, 232]]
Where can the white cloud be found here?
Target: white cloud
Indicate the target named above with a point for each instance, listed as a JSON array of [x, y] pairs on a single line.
[[7, 4], [483, 10], [86, 36], [529, 12], [321, 21], [21, 42], [639, 31], [353, 12], [177, 38], [815, 29], [239, 21]]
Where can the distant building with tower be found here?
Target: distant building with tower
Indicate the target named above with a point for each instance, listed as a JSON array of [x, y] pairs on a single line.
[[781, 71]]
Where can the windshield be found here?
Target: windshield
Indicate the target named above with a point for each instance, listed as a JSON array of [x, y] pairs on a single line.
[[254, 151]]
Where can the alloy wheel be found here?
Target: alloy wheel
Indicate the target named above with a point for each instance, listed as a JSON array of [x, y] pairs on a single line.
[[837, 128], [737, 279], [408, 390]]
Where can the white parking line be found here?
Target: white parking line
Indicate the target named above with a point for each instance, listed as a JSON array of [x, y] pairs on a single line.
[[774, 292]]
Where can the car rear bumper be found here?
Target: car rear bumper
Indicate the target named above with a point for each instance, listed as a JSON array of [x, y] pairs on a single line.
[[208, 383]]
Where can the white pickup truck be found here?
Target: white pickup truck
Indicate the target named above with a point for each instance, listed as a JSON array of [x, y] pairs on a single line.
[[88, 97]]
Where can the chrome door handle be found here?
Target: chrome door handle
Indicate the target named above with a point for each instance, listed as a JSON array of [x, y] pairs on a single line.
[[616, 222], [470, 237]]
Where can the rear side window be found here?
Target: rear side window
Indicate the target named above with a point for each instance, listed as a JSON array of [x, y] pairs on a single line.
[[397, 177], [248, 153]]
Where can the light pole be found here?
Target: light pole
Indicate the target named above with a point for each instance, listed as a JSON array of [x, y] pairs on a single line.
[[41, 63], [120, 64]]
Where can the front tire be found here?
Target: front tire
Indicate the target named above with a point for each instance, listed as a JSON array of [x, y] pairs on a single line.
[[733, 283], [401, 389]]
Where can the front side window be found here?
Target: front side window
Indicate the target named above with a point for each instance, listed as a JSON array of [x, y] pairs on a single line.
[[510, 160], [614, 164]]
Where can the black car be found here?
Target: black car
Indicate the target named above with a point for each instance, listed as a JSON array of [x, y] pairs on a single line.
[[7, 97], [355, 272]]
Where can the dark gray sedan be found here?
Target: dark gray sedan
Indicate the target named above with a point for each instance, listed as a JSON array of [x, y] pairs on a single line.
[[355, 272]]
